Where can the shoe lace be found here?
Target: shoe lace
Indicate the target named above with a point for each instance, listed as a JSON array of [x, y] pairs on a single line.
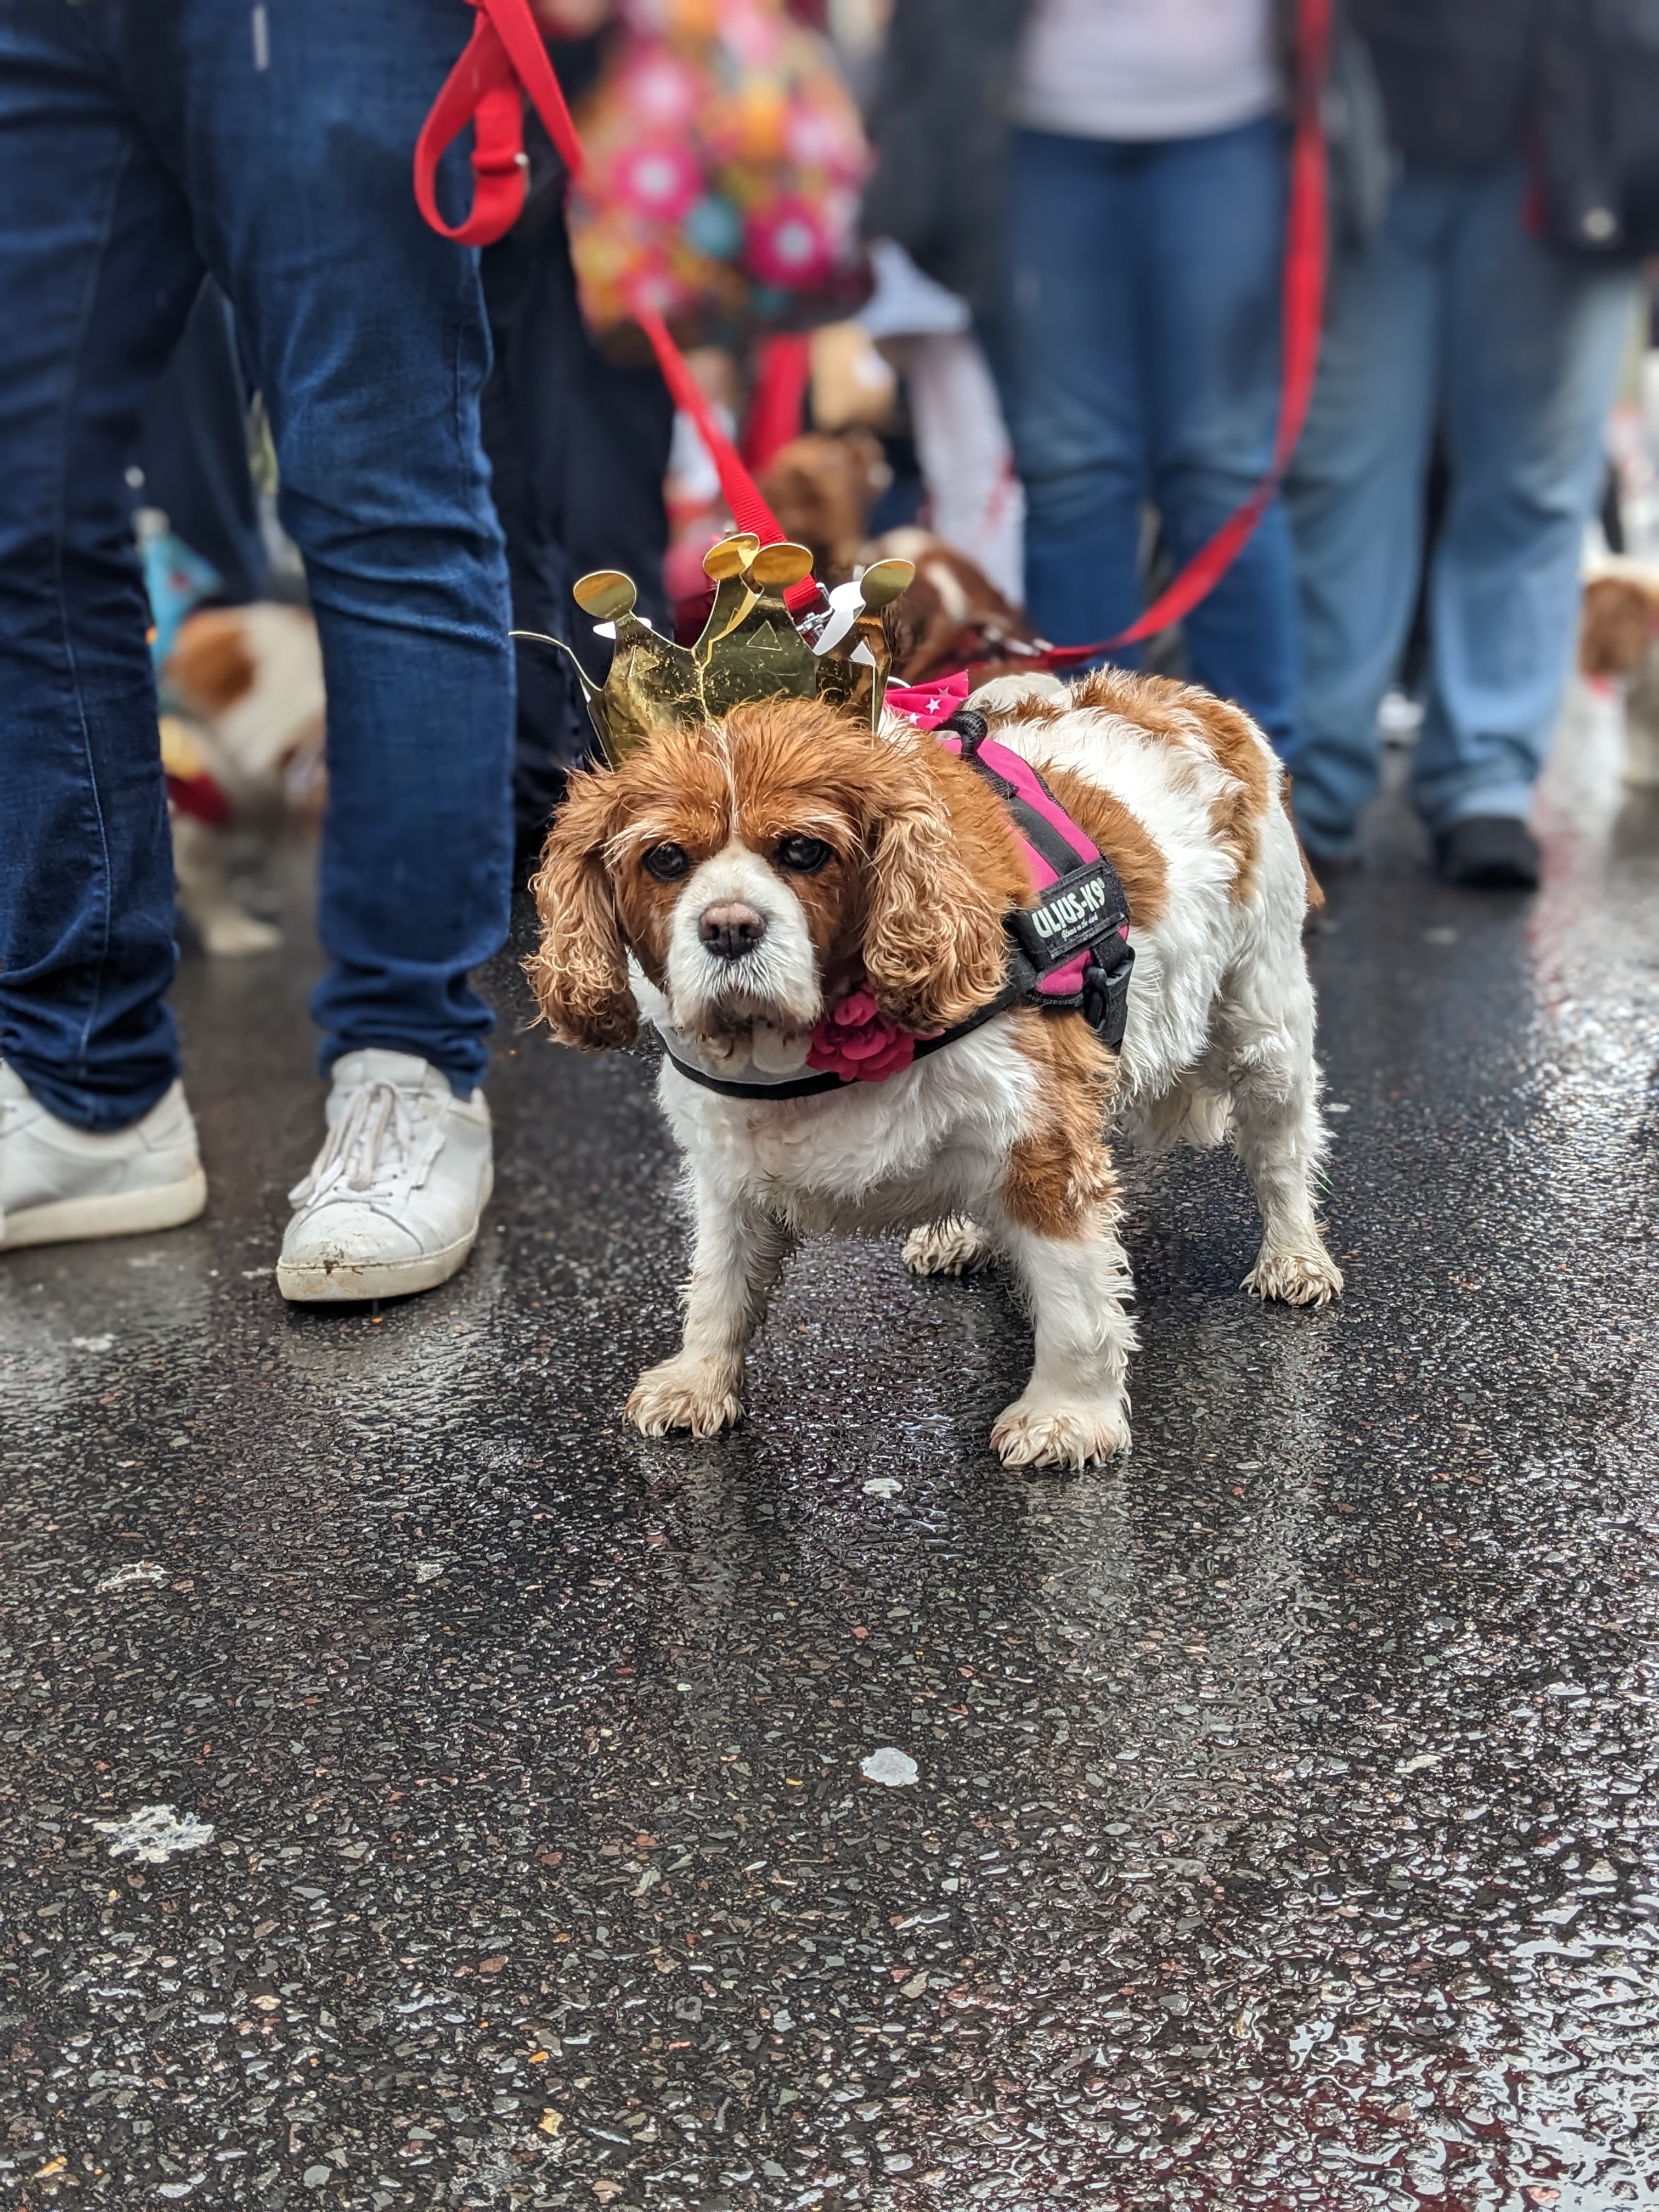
[[367, 1150]]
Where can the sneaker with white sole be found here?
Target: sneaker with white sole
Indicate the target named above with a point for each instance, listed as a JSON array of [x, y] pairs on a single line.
[[59, 1184], [392, 1200]]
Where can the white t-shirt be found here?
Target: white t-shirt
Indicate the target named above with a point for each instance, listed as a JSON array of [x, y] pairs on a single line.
[[1145, 69]]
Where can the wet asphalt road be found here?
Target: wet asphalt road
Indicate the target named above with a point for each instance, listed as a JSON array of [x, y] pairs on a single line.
[[1286, 1831]]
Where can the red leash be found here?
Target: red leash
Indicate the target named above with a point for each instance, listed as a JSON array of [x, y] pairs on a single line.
[[505, 58]]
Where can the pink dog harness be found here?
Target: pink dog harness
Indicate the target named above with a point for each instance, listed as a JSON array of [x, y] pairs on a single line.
[[1069, 952]]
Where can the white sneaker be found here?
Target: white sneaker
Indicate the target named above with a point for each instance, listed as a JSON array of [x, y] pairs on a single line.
[[59, 1183], [392, 1200]]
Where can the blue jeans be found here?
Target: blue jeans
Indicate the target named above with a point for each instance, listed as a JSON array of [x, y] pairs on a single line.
[[141, 142], [1138, 358], [1454, 317]]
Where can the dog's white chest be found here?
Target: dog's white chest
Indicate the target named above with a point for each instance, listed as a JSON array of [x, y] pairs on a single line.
[[881, 1155]]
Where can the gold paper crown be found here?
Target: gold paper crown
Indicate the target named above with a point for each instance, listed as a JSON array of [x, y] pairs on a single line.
[[750, 647]]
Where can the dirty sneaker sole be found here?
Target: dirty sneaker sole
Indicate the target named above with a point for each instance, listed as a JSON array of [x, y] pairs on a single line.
[[347, 1282], [121, 1213]]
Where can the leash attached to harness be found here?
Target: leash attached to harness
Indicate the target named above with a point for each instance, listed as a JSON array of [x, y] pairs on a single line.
[[505, 58], [1068, 953]]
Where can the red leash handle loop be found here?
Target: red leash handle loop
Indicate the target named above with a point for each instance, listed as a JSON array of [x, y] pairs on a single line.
[[482, 90], [505, 58]]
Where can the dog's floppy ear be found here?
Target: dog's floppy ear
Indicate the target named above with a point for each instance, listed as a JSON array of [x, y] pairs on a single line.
[[579, 972], [933, 945]]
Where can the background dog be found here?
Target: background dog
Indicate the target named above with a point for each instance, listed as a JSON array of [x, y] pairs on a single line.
[[242, 744], [736, 880], [823, 490], [1619, 644], [952, 615]]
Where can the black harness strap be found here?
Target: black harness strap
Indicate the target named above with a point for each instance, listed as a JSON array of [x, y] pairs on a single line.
[[818, 1085]]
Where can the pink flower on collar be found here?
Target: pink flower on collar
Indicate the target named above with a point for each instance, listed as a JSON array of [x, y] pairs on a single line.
[[858, 1043]]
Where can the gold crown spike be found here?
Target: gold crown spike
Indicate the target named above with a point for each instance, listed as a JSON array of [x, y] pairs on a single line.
[[724, 564], [653, 680], [763, 655], [880, 583], [839, 678], [883, 582], [854, 669]]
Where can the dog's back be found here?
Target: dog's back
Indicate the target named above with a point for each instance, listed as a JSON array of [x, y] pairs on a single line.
[[1187, 799]]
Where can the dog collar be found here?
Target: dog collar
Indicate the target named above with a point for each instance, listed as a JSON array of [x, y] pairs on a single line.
[[1068, 953], [682, 1052]]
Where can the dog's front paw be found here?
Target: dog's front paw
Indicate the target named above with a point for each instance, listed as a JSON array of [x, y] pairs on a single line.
[[954, 1246], [1039, 1432], [684, 1393], [1300, 1278]]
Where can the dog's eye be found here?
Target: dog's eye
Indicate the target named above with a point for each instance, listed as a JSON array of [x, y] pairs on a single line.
[[667, 863], [803, 856]]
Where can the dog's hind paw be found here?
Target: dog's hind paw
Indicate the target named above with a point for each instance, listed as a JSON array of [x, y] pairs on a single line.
[[684, 1393], [954, 1246], [1032, 1434], [1299, 1278]]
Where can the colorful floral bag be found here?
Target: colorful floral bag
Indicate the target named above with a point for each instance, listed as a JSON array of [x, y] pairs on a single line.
[[725, 159]]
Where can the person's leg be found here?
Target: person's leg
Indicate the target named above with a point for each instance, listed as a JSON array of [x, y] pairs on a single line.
[[97, 274], [1066, 359], [292, 139], [1211, 247], [1529, 356], [1354, 496], [193, 450]]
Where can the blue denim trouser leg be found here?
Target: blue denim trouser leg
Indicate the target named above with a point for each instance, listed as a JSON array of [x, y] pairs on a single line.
[[1138, 353], [1454, 316], [142, 141]]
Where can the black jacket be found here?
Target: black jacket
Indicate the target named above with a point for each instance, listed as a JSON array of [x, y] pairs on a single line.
[[1456, 76], [939, 126]]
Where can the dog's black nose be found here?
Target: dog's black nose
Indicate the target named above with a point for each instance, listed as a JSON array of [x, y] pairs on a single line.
[[729, 929]]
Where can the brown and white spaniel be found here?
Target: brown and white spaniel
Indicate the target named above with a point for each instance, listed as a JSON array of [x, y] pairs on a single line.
[[737, 882]]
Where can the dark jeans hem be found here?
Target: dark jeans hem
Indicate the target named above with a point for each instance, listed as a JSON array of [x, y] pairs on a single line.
[[97, 1113], [465, 1069]]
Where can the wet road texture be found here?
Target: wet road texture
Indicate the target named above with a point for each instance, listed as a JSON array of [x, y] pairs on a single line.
[[419, 1790]]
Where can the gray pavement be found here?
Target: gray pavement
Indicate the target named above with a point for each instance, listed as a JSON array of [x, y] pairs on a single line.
[[1284, 1829]]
